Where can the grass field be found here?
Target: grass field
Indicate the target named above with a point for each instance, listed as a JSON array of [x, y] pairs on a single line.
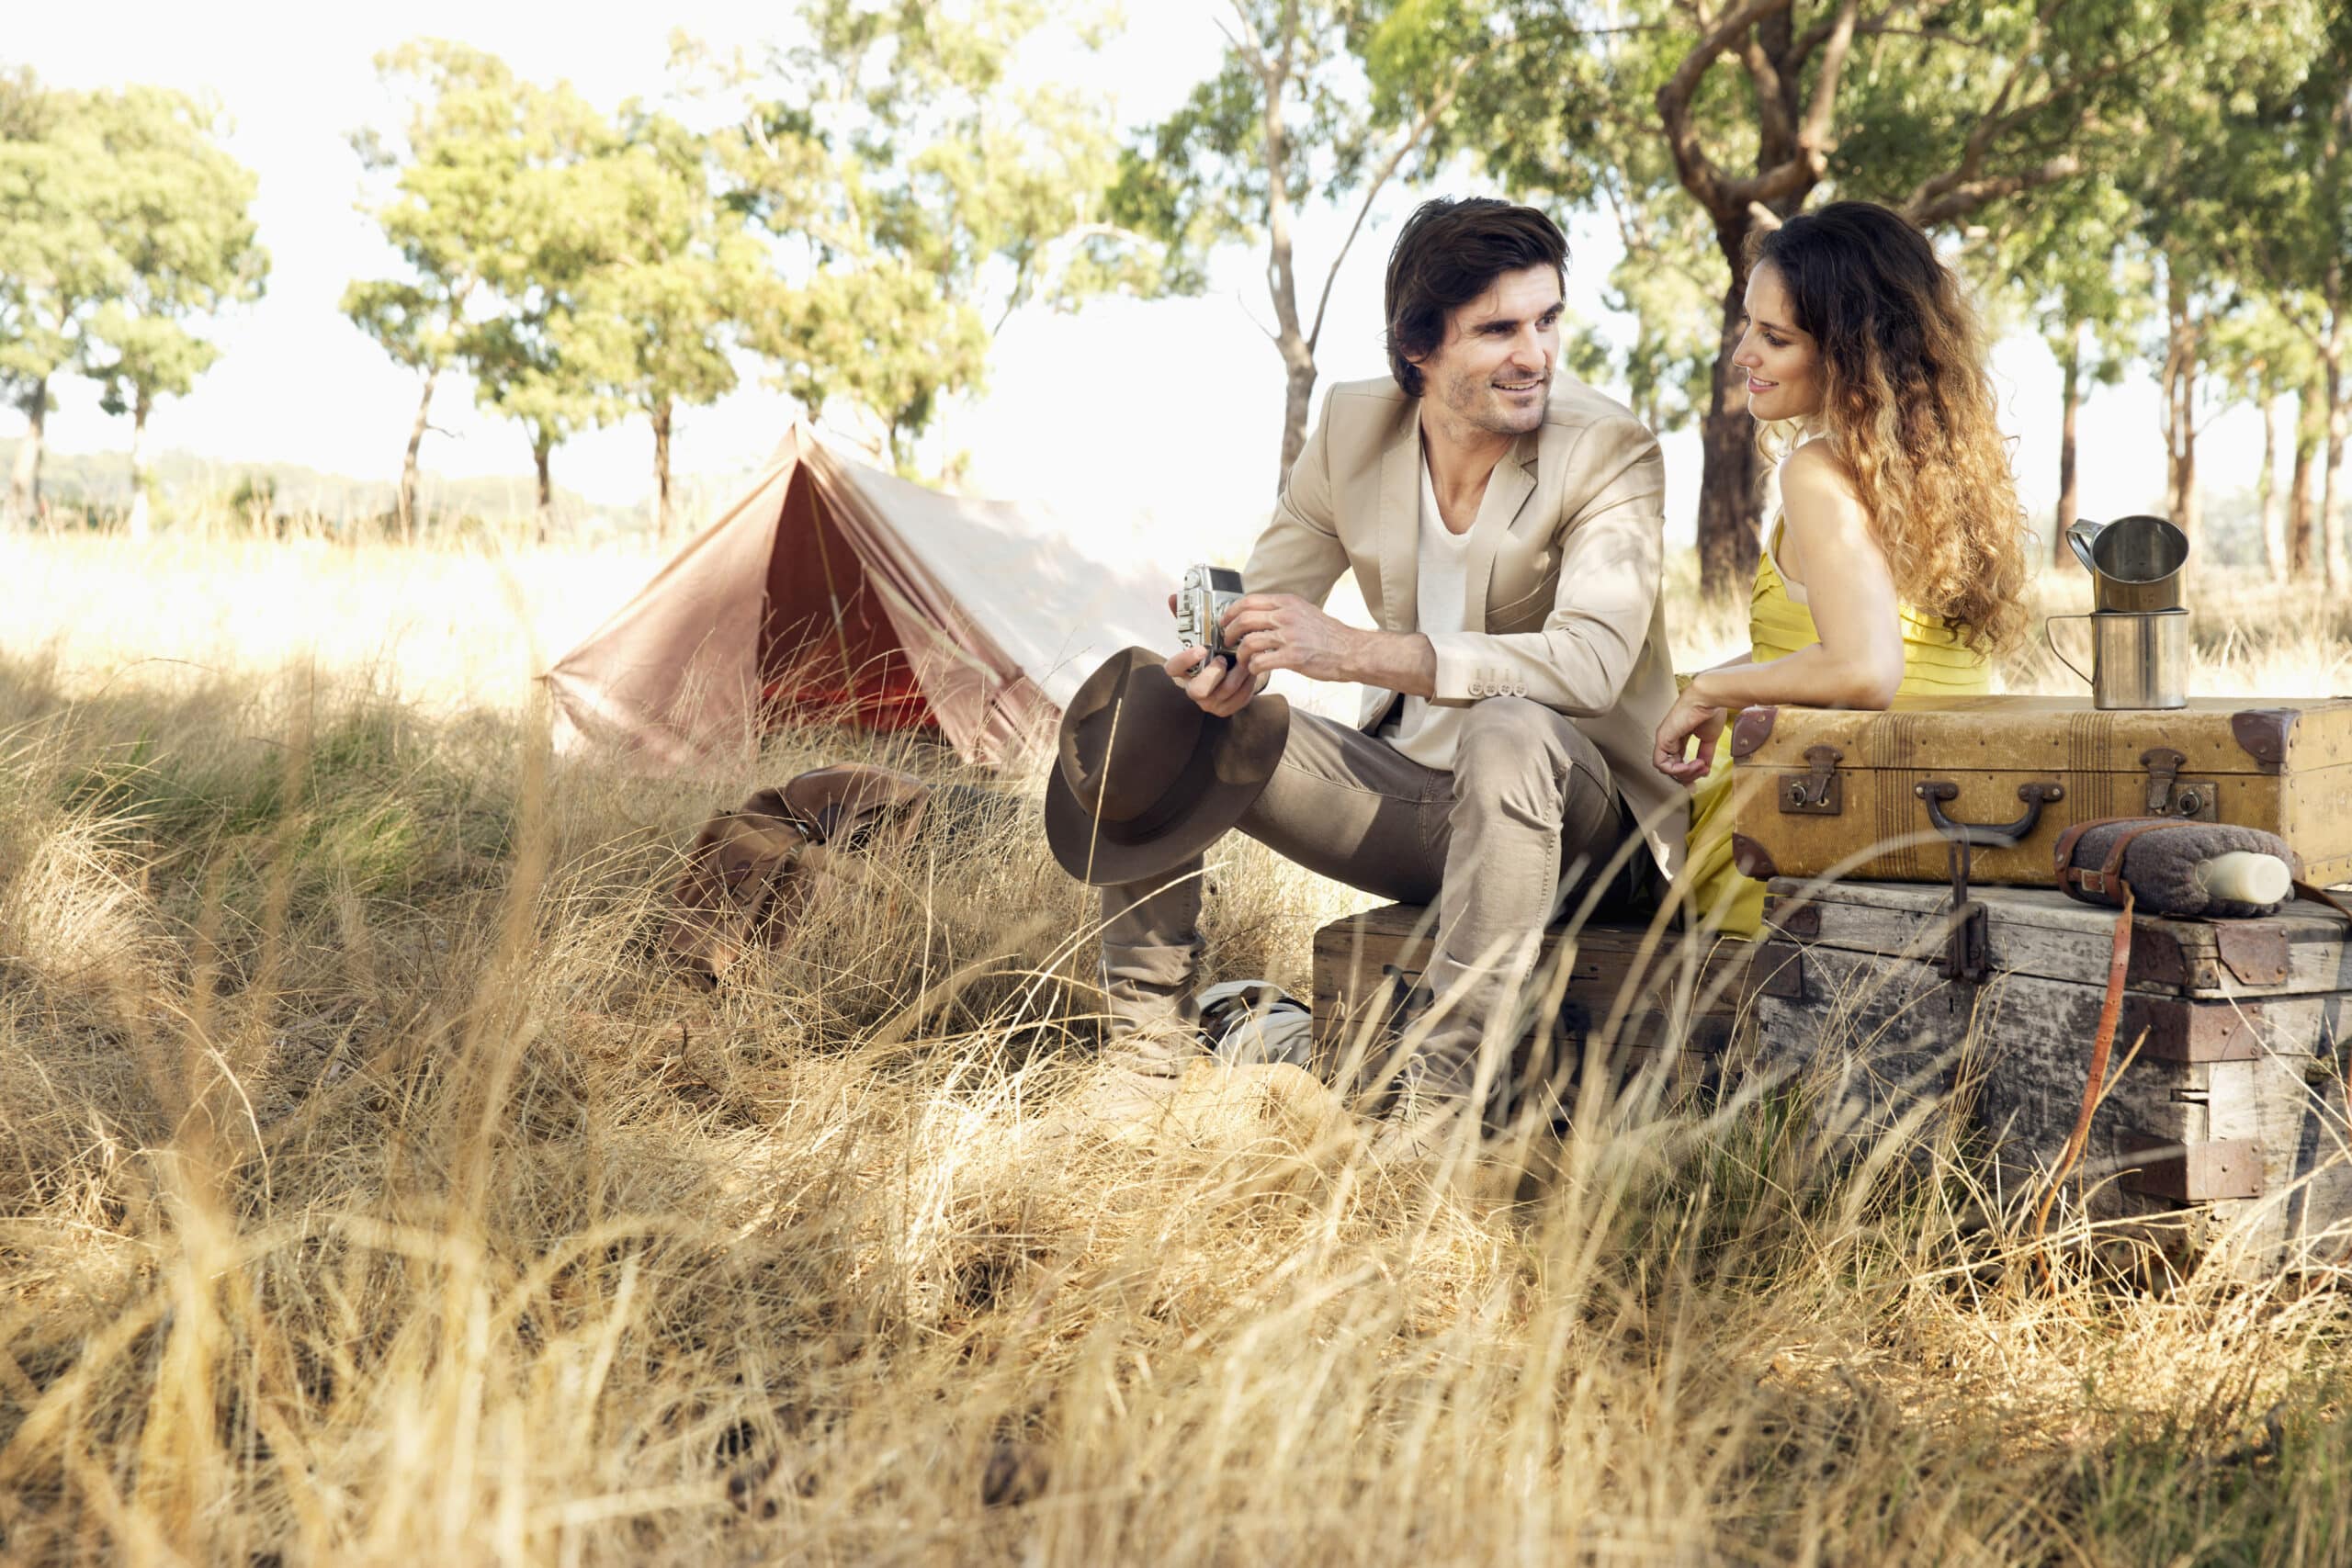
[[370, 1193]]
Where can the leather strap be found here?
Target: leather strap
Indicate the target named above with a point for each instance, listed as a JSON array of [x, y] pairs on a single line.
[[2110, 1009], [2070, 876], [2105, 885], [2322, 896]]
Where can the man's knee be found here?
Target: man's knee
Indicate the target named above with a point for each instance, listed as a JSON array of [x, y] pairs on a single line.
[[1510, 744]]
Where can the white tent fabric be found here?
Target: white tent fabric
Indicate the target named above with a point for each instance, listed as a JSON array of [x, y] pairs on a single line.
[[996, 611]]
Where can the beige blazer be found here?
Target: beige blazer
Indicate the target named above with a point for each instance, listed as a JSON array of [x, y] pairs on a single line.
[[1563, 575]]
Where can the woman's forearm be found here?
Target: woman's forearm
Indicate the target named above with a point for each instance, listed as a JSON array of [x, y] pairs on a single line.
[[1812, 677]]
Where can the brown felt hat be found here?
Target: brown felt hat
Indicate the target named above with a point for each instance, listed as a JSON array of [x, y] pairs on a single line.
[[1143, 780]]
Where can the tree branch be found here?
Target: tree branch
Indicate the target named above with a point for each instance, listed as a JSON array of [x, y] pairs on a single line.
[[1939, 194], [1814, 137], [1774, 128], [1956, 197], [1698, 171], [1420, 128]]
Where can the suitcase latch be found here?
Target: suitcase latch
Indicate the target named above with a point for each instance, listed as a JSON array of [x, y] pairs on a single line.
[[2169, 795], [1821, 793]]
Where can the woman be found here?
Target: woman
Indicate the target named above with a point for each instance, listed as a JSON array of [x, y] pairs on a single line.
[[1896, 563]]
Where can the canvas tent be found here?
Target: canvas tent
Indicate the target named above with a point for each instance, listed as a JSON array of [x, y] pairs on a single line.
[[833, 589]]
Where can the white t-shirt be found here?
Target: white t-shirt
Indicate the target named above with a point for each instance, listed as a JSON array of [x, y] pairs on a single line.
[[1425, 732]]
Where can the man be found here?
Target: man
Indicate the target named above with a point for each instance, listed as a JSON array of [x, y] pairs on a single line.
[[1504, 524]]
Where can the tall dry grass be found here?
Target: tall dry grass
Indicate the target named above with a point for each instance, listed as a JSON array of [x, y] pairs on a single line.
[[371, 1193]]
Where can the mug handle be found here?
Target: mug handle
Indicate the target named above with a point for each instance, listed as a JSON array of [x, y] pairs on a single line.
[[2051, 638]]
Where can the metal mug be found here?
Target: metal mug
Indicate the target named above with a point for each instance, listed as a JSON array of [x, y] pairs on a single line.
[[2139, 658], [2134, 562]]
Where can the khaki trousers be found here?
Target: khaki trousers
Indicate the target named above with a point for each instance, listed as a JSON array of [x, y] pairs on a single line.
[[1528, 814]]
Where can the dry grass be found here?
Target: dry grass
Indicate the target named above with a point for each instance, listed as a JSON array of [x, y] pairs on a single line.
[[369, 1192]]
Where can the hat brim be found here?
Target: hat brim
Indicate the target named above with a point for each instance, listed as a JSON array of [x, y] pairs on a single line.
[[1244, 751]]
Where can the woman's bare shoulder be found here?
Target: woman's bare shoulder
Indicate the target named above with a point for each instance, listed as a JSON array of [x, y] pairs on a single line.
[[1816, 471]]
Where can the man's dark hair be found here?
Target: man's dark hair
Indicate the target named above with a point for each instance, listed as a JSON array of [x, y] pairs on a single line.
[[1447, 254]]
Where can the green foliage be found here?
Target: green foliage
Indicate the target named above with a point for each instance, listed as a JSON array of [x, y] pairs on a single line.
[[491, 208], [121, 220], [1199, 178], [676, 272], [1668, 286], [180, 214], [58, 264], [917, 194], [1312, 101]]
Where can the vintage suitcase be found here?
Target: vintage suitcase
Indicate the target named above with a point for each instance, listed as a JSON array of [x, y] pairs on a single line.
[[1652, 996], [2230, 1117], [1878, 795]]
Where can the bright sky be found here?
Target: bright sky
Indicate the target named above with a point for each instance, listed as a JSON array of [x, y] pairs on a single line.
[[1169, 412]]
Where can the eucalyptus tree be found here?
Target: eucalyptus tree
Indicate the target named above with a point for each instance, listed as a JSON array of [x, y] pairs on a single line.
[[1291, 116], [440, 178], [916, 191], [680, 274], [2267, 193], [2076, 265], [539, 348], [1664, 285], [58, 262], [2301, 155], [2262, 358], [179, 214]]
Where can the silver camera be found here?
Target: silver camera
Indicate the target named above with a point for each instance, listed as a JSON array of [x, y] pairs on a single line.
[[1201, 604]]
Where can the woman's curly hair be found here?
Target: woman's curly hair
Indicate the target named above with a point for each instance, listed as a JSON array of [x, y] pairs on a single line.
[[1910, 410]]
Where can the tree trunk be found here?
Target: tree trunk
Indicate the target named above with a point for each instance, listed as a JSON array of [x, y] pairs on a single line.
[[1299, 397], [2178, 387], [539, 451], [662, 516], [1728, 536], [2331, 489], [138, 527], [2191, 515], [1282, 277], [2303, 526], [24, 479], [2068, 502], [2274, 517], [405, 506]]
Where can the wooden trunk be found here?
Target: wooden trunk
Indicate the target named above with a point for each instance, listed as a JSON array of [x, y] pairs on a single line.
[[2230, 1117], [1641, 998], [1837, 791]]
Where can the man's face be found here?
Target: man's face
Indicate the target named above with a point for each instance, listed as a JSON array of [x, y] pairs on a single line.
[[1493, 372]]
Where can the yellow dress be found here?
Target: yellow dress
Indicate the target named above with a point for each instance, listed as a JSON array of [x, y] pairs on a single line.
[[1935, 663]]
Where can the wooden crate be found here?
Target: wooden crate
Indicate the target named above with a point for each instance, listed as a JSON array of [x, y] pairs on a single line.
[[1840, 792], [1664, 997], [2231, 1112]]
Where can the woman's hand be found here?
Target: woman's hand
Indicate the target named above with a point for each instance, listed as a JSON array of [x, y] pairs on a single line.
[[1690, 717]]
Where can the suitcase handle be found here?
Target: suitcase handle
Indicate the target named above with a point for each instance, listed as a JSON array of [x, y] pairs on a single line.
[[1987, 835]]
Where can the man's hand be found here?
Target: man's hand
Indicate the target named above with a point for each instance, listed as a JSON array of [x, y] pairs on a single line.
[[1689, 718], [1216, 684], [1219, 686], [1282, 631]]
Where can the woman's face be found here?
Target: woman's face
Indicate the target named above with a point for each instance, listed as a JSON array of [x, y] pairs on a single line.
[[1784, 364]]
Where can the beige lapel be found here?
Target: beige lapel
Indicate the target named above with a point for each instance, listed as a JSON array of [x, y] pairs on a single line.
[[1508, 488], [1400, 523]]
